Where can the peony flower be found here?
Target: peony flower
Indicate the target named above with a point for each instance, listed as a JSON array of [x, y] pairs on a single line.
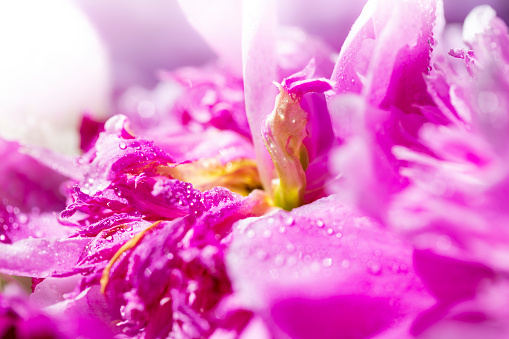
[[214, 206]]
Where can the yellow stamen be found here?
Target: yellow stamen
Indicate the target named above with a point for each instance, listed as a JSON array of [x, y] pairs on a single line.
[[240, 176], [105, 278], [283, 133]]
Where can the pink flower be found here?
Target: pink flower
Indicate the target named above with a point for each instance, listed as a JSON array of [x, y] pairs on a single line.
[[367, 205]]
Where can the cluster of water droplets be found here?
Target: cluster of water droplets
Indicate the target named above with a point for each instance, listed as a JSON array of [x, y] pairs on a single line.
[[289, 245], [16, 224]]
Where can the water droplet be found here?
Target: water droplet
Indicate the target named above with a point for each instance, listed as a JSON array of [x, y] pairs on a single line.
[[289, 221], [339, 235], [261, 255], [327, 262], [330, 231], [290, 247], [251, 234], [2, 237], [291, 261], [164, 301], [267, 234], [319, 223], [279, 260], [23, 218], [345, 263], [374, 267]]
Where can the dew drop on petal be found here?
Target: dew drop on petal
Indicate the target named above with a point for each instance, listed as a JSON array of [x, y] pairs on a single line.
[[289, 221], [345, 263], [374, 268], [327, 262], [279, 260], [261, 255], [251, 234], [290, 248], [267, 234]]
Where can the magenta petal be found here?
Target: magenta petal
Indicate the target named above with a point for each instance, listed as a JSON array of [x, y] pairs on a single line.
[[20, 318], [450, 280], [259, 71], [220, 24], [324, 268], [387, 52], [41, 257]]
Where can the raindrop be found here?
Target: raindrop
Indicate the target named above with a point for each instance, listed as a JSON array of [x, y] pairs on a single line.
[[319, 223], [327, 262], [251, 234], [290, 247], [267, 234], [261, 255], [291, 261], [289, 221], [122, 145], [279, 260], [345, 263], [330, 231], [374, 267]]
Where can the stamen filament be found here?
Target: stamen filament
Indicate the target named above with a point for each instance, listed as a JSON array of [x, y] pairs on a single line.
[[105, 278]]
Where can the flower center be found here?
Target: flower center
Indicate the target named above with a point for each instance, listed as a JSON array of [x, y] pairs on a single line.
[[283, 133]]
